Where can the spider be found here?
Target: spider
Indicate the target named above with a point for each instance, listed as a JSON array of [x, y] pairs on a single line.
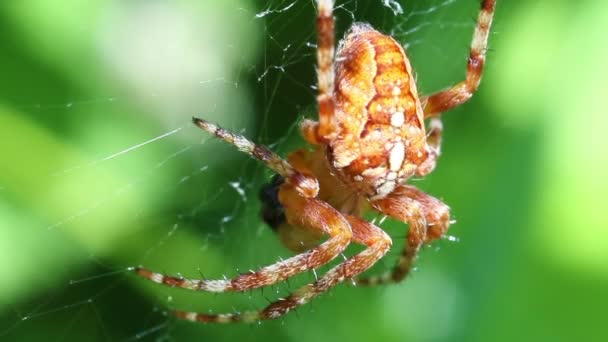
[[369, 139]]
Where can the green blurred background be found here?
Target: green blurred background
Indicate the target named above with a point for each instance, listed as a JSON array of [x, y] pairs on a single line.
[[100, 170]]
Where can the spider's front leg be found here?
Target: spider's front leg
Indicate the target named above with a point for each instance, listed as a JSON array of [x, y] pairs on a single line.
[[428, 219]]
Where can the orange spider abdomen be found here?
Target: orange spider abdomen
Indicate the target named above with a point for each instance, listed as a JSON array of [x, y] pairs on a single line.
[[378, 115]]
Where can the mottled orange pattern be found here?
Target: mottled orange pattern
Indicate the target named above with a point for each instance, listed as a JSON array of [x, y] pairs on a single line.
[[378, 114]]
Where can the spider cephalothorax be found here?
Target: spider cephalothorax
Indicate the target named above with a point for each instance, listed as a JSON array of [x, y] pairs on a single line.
[[369, 139]]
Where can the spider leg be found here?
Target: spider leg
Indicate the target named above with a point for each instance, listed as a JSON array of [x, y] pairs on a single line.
[[433, 143], [317, 132], [377, 242], [461, 92], [311, 213], [429, 219], [305, 184]]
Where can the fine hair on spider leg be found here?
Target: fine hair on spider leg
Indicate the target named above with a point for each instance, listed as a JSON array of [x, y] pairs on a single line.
[[374, 132], [306, 185]]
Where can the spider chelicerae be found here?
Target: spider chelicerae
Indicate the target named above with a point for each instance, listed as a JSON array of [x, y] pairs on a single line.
[[369, 139]]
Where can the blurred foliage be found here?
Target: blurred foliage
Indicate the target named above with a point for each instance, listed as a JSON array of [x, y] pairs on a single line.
[[100, 169]]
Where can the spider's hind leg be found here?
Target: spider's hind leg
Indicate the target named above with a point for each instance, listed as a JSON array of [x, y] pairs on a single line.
[[428, 219], [309, 213], [319, 132], [444, 100], [433, 145]]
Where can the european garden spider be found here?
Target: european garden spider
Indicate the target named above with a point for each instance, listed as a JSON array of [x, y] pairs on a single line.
[[370, 138]]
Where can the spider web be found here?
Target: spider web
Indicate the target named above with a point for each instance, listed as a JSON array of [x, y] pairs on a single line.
[[113, 175]]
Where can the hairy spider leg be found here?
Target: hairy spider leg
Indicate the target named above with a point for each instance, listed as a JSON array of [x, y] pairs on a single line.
[[456, 95], [319, 132], [433, 143], [377, 242], [428, 220], [305, 184], [308, 213]]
